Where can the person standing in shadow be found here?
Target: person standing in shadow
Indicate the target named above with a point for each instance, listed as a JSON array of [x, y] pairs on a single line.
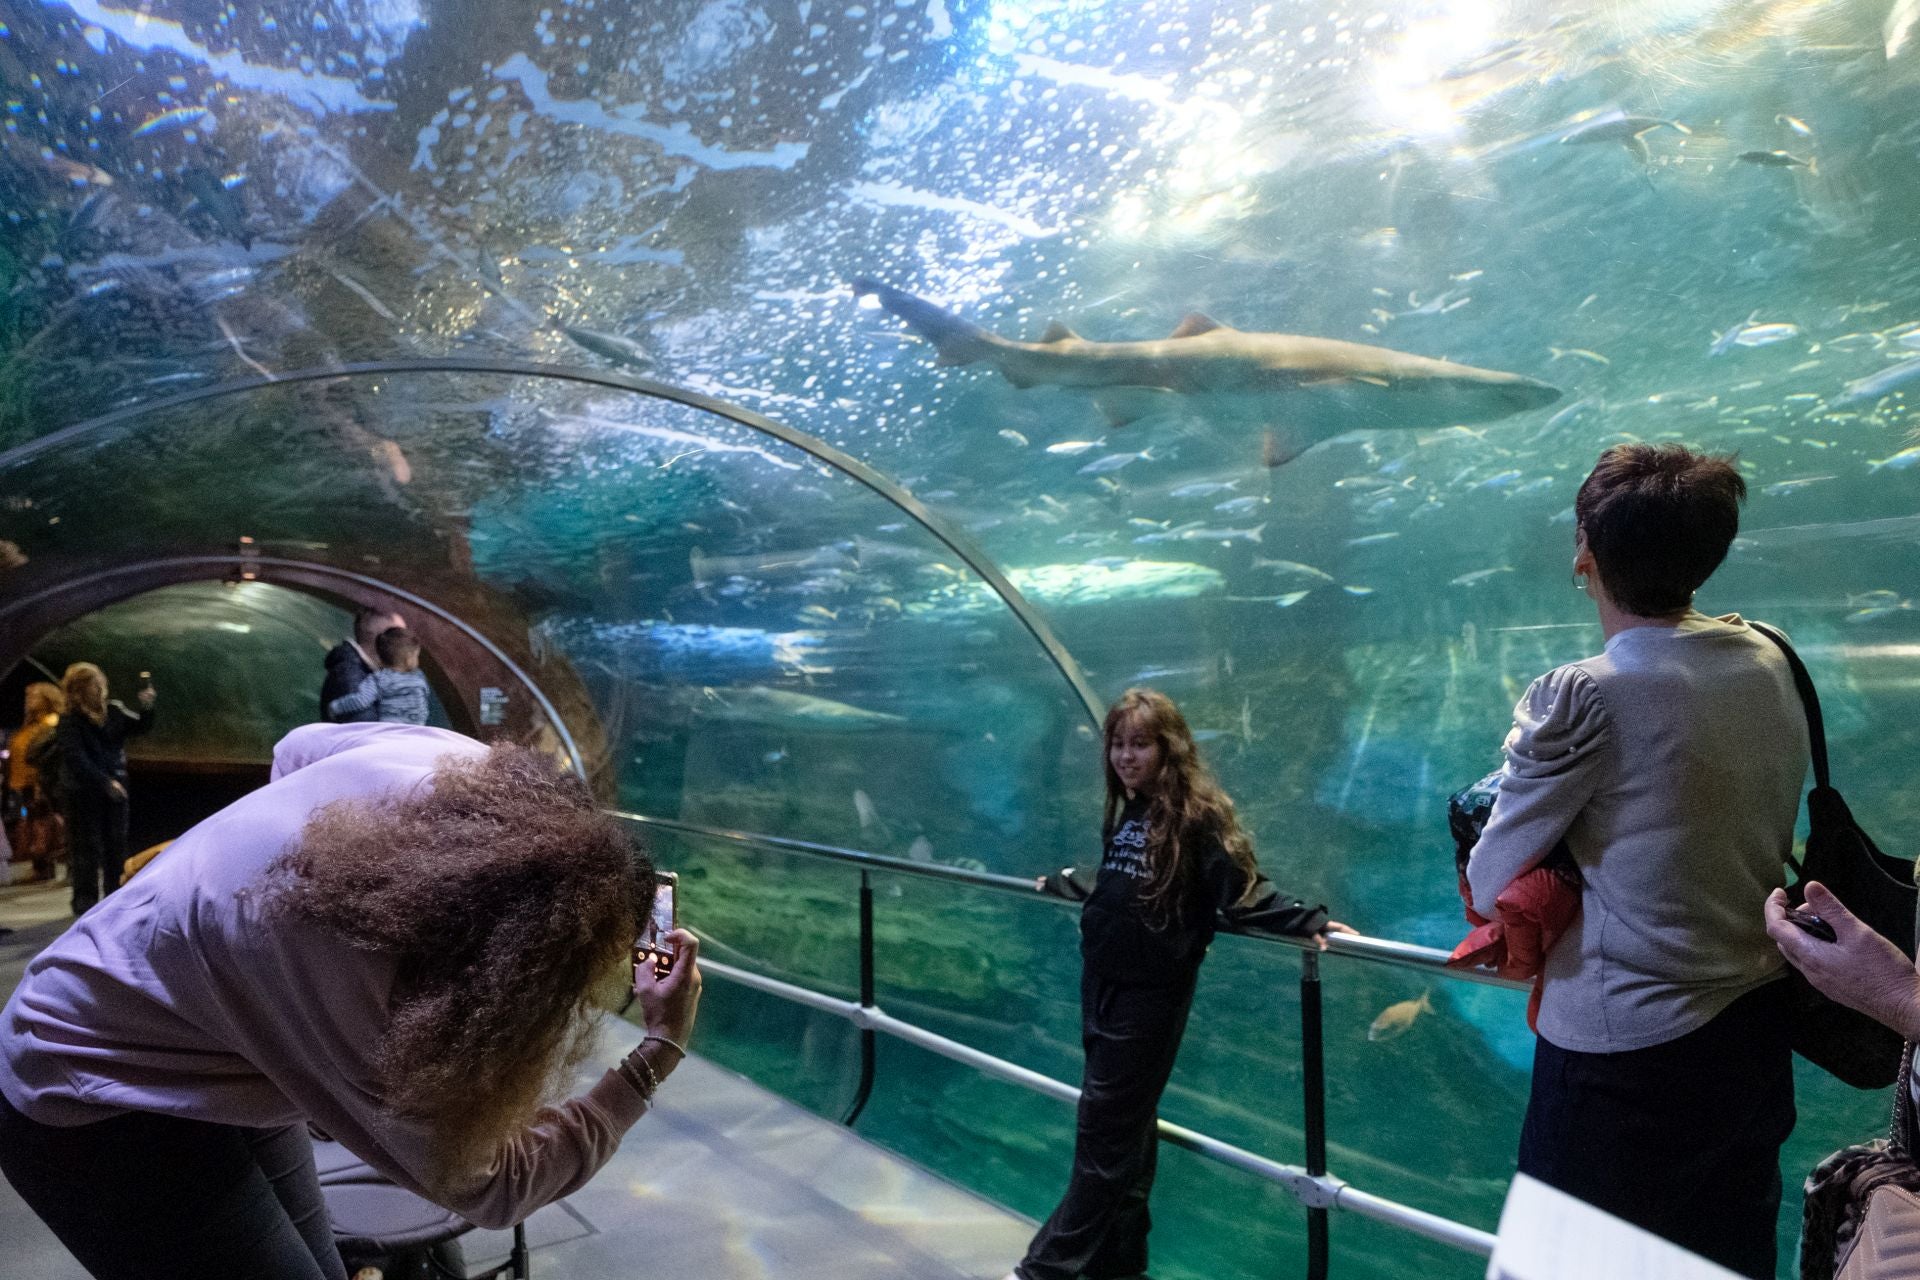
[[352, 660], [93, 778]]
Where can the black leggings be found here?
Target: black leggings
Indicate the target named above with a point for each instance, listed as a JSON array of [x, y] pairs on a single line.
[[97, 845], [141, 1196]]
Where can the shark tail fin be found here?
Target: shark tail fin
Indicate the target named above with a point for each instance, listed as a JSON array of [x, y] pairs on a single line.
[[957, 341]]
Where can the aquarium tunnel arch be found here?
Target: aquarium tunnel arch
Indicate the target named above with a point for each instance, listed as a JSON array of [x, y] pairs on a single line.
[[557, 318]]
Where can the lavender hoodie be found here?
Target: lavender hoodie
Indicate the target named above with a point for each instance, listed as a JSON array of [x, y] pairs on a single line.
[[173, 995]]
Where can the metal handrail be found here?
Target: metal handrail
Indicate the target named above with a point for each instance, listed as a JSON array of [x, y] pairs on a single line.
[[1406, 955], [1317, 1189]]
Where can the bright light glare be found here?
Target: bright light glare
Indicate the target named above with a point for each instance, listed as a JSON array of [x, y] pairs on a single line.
[[1407, 89]]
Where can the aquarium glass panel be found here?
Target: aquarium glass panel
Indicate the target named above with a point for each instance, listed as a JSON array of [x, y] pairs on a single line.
[[1262, 344]]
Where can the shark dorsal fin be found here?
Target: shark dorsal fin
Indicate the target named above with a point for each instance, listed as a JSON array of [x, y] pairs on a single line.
[[1057, 332], [1194, 325]]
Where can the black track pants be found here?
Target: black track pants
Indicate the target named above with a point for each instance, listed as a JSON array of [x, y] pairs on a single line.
[[97, 842], [1681, 1138], [1132, 1035]]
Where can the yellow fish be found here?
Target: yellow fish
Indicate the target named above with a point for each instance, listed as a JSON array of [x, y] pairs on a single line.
[[1395, 1019]]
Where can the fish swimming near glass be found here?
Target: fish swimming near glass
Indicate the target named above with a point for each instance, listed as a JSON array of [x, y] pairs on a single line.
[[1300, 391]]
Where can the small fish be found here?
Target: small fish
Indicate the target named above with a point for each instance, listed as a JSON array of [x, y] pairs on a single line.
[[1752, 332], [818, 613], [1582, 353], [1074, 448], [863, 806], [1293, 568], [610, 346], [1203, 489], [1223, 535], [1796, 124], [1777, 160], [1358, 592], [1240, 506], [77, 172], [921, 850], [1013, 437], [1568, 414], [1479, 576], [1899, 461], [1290, 599], [1876, 385], [1873, 613], [1781, 488], [168, 121], [1114, 462], [1372, 539], [1504, 480], [1397, 1019], [221, 202], [775, 756], [1246, 719]]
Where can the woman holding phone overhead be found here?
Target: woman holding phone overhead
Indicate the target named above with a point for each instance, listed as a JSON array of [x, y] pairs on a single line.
[[1176, 862], [403, 937]]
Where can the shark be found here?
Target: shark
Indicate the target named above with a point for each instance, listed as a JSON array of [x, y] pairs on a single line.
[[1298, 391]]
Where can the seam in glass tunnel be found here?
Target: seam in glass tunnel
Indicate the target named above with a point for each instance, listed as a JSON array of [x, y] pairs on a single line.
[[213, 566], [848, 465]]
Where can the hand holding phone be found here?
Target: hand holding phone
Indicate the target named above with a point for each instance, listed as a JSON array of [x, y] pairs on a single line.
[[1811, 923], [655, 946]]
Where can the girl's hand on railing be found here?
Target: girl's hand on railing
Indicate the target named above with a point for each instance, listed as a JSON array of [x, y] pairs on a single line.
[[1333, 926]]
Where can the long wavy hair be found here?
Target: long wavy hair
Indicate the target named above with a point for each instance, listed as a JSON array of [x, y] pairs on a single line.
[[44, 699], [508, 900], [1186, 806], [85, 688]]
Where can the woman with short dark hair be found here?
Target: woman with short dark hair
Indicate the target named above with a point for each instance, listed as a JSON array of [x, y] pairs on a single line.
[[402, 938], [1671, 764]]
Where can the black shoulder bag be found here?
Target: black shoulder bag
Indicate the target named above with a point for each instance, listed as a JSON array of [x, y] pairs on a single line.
[[1876, 887]]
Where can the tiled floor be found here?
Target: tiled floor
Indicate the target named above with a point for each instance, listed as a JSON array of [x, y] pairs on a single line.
[[724, 1181]]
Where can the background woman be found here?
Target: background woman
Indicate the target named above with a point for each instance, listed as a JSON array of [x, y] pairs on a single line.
[[401, 938], [1671, 763], [1176, 860], [93, 779], [33, 818]]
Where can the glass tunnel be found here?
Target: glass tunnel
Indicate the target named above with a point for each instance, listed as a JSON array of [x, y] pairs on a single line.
[[538, 323]]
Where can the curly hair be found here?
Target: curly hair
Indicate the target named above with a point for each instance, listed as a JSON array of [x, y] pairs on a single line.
[[1188, 807], [506, 898]]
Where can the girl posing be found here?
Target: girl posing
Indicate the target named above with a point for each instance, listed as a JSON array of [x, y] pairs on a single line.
[[1176, 861]]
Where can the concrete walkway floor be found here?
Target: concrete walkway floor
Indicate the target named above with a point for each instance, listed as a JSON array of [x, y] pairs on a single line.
[[723, 1181]]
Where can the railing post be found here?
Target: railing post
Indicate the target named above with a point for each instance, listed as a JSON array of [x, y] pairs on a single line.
[[866, 1001], [1313, 1088]]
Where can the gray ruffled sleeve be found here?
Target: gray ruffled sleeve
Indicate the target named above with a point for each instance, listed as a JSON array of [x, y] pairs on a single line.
[[1556, 756]]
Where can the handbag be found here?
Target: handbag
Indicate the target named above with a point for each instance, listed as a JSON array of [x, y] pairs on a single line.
[[1861, 1219], [1877, 887]]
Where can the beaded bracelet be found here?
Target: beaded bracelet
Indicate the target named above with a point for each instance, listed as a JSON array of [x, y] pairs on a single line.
[[631, 1068]]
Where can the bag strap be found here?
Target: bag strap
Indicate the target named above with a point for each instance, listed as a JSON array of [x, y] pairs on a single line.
[[1902, 1104], [1809, 699]]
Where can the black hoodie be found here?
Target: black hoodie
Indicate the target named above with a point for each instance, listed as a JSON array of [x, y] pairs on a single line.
[[1119, 944]]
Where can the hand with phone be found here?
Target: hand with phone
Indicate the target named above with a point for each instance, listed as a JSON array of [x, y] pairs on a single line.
[[1849, 963], [666, 978]]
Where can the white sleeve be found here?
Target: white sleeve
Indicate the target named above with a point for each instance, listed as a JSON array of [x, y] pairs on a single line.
[[1555, 754]]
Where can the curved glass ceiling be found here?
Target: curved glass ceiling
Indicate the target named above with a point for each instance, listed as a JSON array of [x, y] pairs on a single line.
[[1688, 219]]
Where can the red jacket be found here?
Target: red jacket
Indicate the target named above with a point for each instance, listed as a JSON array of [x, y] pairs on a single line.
[[1529, 917]]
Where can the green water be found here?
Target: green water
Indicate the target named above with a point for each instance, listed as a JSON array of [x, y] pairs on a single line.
[[741, 635]]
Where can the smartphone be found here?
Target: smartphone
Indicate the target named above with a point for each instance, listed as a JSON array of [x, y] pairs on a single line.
[[652, 947], [1811, 923]]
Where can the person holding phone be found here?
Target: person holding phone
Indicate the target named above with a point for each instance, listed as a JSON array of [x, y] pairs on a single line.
[[405, 938], [92, 738], [1176, 863]]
